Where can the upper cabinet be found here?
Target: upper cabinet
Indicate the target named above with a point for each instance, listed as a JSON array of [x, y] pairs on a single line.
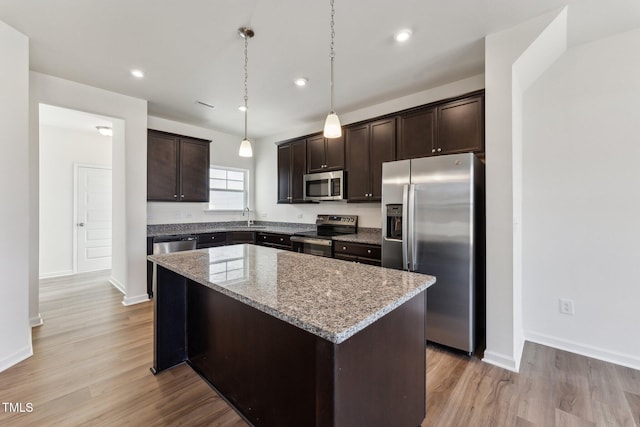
[[368, 145], [324, 154], [177, 168], [461, 126], [417, 133], [448, 128], [292, 165]]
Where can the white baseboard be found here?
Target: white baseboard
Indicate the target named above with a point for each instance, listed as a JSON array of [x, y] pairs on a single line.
[[116, 284], [628, 360], [56, 274], [135, 300], [16, 357], [36, 321], [500, 360]]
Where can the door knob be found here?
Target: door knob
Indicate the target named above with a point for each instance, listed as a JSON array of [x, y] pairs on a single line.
[[80, 224]]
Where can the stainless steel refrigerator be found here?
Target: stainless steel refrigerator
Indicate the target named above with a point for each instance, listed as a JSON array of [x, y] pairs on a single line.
[[432, 222]]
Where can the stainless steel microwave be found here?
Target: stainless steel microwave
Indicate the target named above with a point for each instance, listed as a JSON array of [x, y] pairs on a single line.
[[324, 186]]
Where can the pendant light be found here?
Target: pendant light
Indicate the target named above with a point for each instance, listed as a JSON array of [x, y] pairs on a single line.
[[245, 146], [332, 128]]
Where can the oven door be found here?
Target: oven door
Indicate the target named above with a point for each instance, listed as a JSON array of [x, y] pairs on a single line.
[[309, 245]]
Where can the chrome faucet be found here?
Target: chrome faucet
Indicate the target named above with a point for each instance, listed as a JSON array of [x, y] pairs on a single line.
[[249, 222]]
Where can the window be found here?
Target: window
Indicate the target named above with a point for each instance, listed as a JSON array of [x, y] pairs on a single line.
[[228, 189]]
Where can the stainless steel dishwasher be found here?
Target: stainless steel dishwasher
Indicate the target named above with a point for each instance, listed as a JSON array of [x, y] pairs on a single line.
[[169, 244]]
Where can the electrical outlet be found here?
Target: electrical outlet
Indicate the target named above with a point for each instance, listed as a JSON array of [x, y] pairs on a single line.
[[566, 306], [263, 215]]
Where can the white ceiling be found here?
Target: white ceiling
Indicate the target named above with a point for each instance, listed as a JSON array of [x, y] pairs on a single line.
[[190, 50], [71, 119]]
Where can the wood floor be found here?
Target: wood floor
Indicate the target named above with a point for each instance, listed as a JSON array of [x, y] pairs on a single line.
[[92, 357]]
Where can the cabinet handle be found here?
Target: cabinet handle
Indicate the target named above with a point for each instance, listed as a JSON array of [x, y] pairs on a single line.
[[368, 251], [281, 239], [264, 237], [344, 248], [175, 196], [439, 150], [213, 237], [182, 195]]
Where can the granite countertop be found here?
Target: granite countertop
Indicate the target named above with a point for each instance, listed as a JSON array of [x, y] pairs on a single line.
[[371, 236], [330, 298], [212, 227]]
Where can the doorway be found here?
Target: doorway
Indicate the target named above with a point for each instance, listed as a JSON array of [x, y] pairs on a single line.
[[69, 139]]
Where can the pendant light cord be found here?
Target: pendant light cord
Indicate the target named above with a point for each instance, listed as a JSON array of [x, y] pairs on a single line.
[[246, 79], [332, 53]]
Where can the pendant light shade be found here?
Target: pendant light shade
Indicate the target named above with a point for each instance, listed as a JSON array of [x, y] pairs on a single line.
[[245, 146], [245, 149], [332, 128]]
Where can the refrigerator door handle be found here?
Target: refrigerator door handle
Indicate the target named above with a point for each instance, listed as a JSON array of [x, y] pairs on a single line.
[[405, 227], [411, 230]]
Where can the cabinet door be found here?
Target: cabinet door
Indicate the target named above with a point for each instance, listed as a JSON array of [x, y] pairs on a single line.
[[417, 134], [334, 153], [298, 169], [383, 149], [284, 173], [194, 171], [461, 126], [162, 167], [357, 163], [315, 154]]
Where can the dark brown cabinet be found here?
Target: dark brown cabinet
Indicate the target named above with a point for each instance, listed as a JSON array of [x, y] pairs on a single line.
[[367, 146], [461, 126], [448, 128], [234, 237], [357, 252], [292, 165], [416, 133], [177, 168], [210, 240], [274, 240], [325, 154]]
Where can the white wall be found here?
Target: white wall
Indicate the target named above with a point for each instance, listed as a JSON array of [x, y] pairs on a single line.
[[369, 214], [224, 152], [15, 332], [59, 150], [504, 341], [582, 201], [129, 118]]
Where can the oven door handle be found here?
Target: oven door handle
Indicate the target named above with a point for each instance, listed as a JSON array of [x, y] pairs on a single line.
[[320, 242]]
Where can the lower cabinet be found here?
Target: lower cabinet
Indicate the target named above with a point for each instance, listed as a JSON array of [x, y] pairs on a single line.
[[240, 237], [210, 240], [274, 240], [358, 252]]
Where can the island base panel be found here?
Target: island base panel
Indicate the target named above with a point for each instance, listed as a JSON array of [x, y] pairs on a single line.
[[276, 374], [262, 365], [169, 320]]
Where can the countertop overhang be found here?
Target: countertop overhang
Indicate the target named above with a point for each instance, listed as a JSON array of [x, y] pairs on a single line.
[[329, 298]]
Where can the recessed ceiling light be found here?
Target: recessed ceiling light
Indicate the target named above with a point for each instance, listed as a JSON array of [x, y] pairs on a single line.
[[301, 81], [242, 108], [137, 74], [402, 36]]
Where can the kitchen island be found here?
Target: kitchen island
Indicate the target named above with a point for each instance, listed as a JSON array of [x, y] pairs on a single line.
[[294, 339]]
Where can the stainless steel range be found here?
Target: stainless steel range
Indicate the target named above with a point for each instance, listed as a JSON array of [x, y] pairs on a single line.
[[320, 242]]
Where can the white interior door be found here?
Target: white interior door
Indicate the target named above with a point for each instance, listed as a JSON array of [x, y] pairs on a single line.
[[93, 218]]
